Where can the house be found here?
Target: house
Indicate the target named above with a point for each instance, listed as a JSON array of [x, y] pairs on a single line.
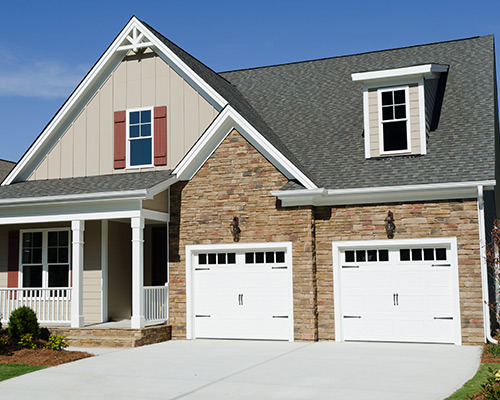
[[345, 198]]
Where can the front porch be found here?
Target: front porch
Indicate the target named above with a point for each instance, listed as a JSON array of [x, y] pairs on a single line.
[[84, 263]]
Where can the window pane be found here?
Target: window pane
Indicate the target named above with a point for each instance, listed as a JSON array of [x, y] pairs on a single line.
[[52, 255], [37, 239], [37, 256], [280, 256], [349, 256], [221, 258], [27, 239], [259, 257], [58, 276], [428, 254], [63, 255], [63, 238], [416, 254], [249, 258], [399, 97], [383, 255], [202, 259], [372, 255], [440, 254], [26, 256], [360, 255], [145, 116], [387, 113], [395, 136], [146, 130], [52, 239], [404, 254], [32, 276], [270, 257], [134, 131], [231, 258], [400, 112], [140, 152], [212, 258], [386, 98], [134, 117]]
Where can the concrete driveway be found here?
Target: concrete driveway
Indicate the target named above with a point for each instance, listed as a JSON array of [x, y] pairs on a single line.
[[203, 369]]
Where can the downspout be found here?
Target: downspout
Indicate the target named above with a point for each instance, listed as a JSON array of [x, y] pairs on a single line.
[[484, 266]]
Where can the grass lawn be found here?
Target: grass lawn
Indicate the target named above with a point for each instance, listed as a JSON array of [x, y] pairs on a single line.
[[8, 371], [474, 385]]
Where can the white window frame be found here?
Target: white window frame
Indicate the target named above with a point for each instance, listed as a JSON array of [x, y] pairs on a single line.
[[406, 88], [44, 263], [127, 137]]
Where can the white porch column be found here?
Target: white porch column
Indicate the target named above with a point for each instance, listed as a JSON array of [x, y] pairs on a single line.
[[77, 319], [138, 320]]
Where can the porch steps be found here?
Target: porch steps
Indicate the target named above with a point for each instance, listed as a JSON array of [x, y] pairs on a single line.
[[114, 337]]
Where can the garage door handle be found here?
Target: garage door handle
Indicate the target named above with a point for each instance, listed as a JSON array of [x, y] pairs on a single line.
[[395, 299], [240, 299]]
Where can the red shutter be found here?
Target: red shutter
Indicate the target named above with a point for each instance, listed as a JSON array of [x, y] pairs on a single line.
[[13, 260], [160, 135], [120, 139]]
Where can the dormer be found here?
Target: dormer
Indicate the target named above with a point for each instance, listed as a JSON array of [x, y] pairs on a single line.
[[398, 108]]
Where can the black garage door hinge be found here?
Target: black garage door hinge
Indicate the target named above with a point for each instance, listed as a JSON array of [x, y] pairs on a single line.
[[202, 269], [202, 316], [443, 317], [352, 316], [280, 316]]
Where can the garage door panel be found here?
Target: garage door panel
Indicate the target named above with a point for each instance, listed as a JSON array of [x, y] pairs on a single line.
[[398, 299]]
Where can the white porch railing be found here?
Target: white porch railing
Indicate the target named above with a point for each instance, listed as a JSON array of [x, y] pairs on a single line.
[[156, 303], [50, 305]]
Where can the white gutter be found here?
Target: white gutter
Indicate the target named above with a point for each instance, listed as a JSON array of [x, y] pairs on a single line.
[[384, 194], [484, 265]]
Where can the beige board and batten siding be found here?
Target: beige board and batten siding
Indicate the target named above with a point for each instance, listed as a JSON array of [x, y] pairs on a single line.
[[86, 148], [92, 273], [375, 150], [157, 203]]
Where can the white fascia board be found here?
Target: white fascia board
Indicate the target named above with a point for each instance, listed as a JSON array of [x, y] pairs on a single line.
[[92, 82], [386, 194], [152, 192], [75, 198], [414, 72], [220, 128]]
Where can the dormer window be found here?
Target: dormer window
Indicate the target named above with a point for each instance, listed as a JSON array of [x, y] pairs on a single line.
[[394, 120], [396, 116]]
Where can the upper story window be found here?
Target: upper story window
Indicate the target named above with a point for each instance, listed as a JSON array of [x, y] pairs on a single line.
[[140, 138], [394, 120], [398, 107]]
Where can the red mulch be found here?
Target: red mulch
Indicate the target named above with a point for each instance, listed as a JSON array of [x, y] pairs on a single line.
[[39, 356]]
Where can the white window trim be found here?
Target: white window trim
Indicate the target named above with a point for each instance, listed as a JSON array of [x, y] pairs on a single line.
[[127, 138], [365, 244], [406, 88], [45, 263]]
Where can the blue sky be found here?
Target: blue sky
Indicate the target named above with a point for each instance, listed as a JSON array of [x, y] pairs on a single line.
[[47, 47]]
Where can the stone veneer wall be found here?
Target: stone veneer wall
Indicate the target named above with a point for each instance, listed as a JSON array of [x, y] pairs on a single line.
[[413, 220], [237, 180]]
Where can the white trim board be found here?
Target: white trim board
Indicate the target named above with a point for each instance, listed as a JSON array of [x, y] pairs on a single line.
[[383, 194], [391, 243], [220, 128], [191, 250], [89, 86]]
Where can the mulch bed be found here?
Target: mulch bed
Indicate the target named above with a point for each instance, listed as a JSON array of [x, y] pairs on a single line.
[[39, 356]]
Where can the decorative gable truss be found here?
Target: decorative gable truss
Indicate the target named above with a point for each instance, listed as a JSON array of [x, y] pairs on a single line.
[[399, 107]]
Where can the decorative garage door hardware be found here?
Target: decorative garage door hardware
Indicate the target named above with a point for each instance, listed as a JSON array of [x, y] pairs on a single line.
[[240, 299], [279, 267], [202, 316], [280, 316], [352, 316], [202, 269], [443, 317], [441, 265], [350, 266], [395, 299]]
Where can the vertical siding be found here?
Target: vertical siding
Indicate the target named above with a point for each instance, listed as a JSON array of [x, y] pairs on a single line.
[[4, 234], [86, 148], [92, 276], [414, 120], [430, 88]]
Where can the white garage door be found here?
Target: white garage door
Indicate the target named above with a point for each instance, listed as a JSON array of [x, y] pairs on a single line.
[[404, 293], [242, 293]]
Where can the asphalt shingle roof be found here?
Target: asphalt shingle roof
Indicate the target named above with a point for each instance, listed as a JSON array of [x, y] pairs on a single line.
[[5, 168], [84, 185], [317, 112]]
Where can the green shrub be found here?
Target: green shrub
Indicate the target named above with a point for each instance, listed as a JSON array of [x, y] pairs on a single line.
[[26, 341], [493, 349], [57, 342], [4, 342], [22, 321]]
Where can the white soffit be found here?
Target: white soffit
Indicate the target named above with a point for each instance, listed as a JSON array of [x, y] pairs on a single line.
[[220, 128], [134, 35], [399, 74]]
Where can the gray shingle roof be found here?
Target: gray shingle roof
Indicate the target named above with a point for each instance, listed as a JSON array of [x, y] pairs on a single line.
[[85, 185], [317, 112], [5, 168]]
